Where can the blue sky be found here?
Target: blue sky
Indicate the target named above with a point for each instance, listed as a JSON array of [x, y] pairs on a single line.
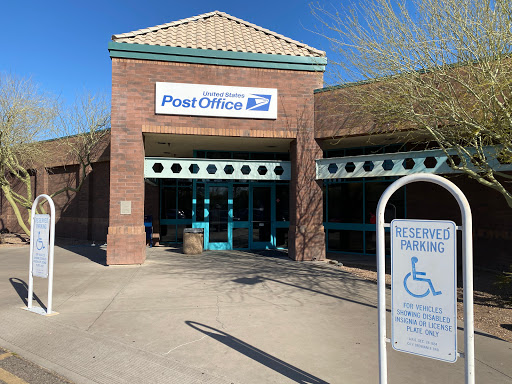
[[62, 45]]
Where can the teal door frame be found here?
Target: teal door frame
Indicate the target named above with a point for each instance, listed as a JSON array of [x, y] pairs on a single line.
[[219, 245], [262, 244], [231, 224]]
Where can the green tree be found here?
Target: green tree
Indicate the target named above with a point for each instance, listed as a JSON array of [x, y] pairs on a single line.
[[438, 70]]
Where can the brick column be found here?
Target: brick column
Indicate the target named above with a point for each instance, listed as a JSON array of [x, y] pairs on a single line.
[[126, 236], [306, 234]]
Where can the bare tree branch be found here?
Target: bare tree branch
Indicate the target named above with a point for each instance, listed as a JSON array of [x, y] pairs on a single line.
[[439, 68], [27, 117]]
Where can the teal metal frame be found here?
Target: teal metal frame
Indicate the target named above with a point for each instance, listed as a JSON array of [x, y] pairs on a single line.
[[173, 221], [363, 227], [263, 244], [218, 245], [195, 223]]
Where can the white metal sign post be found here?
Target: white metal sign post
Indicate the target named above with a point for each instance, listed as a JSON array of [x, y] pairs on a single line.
[[424, 282], [42, 243], [423, 288]]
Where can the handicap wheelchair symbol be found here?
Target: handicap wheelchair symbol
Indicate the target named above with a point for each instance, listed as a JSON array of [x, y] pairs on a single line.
[[39, 242], [417, 277]]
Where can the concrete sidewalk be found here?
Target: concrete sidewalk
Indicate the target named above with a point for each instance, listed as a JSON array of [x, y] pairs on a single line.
[[221, 317]]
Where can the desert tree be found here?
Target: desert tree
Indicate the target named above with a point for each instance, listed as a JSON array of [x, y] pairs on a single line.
[[83, 128], [29, 118], [438, 69]]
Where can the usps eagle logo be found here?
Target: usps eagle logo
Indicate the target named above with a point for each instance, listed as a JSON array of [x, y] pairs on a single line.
[[258, 103]]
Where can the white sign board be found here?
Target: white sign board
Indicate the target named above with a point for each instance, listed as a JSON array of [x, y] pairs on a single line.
[[215, 100], [40, 245], [126, 207], [423, 288]]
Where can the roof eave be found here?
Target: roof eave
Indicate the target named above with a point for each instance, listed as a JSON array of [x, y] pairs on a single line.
[[215, 57]]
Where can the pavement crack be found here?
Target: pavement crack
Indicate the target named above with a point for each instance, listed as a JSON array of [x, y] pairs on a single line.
[[493, 368], [128, 280], [81, 287], [182, 345], [218, 314]]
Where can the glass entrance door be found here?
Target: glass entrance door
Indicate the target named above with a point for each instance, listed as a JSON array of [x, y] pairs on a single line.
[[237, 215], [219, 203], [262, 217]]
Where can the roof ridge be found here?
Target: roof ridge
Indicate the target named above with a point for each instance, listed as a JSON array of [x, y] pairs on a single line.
[[278, 35], [211, 14], [162, 26]]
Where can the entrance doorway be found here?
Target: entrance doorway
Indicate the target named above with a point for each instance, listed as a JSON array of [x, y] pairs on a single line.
[[219, 203], [233, 215], [243, 216], [262, 217]]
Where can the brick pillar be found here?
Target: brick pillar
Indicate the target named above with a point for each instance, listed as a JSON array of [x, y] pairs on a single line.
[[306, 234], [126, 242]]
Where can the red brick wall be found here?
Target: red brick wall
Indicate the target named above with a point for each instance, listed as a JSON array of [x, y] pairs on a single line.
[[133, 105], [82, 215], [306, 234], [133, 89]]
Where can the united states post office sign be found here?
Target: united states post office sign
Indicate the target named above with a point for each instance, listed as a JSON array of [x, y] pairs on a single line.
[[215, 100]]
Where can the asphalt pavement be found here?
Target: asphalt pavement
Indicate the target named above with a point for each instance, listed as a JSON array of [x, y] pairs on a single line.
[[219, 317], [16, 370]]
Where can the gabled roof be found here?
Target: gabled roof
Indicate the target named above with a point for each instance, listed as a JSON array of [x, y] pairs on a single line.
[[218, 31]]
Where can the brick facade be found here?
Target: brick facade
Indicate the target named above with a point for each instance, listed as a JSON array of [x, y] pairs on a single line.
[[82, 215], [85, 215], [133, 106]]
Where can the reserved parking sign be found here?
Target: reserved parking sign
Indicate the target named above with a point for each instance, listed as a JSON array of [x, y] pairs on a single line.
[[423, 288], [40, 245]]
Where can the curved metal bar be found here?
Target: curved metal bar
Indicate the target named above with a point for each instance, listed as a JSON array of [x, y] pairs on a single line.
[[467, 253], [50, 254]]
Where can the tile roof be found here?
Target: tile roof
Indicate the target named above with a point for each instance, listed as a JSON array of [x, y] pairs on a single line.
[[218, 31]]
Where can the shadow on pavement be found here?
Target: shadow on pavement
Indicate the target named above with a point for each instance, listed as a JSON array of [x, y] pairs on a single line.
[[240, 269], [258, 279], [97, 254], [21, 289], [280, 366]]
